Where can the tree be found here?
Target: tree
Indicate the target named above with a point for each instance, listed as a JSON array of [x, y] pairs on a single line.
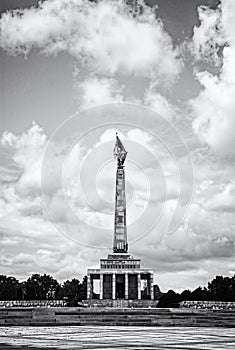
[[200, 294], [9, 287], [186, 295], [70, 290], [222, 288], [157, 292], [41, 287], [74, 291], [169, 299], [83, 290]]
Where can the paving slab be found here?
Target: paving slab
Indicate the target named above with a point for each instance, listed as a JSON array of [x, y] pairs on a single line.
[[111, 338]]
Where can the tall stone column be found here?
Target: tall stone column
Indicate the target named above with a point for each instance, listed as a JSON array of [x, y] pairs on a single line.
[[101, 285], [151, 287], [114, 286], [88, 286], [126, 285], [139, 286]]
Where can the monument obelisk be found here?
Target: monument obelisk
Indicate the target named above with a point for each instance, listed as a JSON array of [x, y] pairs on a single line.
[[120, 244], [120, 274]]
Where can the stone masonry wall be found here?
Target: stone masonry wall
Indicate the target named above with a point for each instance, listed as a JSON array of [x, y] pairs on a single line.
[[214, 305], [32, 303]]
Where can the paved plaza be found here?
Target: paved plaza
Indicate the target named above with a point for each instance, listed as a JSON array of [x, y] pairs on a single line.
[[116, 338]]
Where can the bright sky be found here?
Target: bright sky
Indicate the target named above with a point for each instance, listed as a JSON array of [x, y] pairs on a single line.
[[173, 64]]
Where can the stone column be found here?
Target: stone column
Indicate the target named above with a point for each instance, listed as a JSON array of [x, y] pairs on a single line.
[[114, 286], [126, 285], [88, 286], [139, 286], [151, 287], [101, 285]]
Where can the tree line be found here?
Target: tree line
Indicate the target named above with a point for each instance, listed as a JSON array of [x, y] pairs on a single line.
[[42, 287]]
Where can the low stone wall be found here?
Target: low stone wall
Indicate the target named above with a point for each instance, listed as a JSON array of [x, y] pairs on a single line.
[[214, 305], [32, 303]]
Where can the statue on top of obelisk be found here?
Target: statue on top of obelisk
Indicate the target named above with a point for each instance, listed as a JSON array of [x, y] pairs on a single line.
[[119, 151], [120, 244]]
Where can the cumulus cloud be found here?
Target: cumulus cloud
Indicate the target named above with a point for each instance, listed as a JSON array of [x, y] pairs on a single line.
[[209, 36], [214, 107], [158, 103], [28, 151], [99, 90], [8, 168], [191, 245], [104, 36], [224, 200]]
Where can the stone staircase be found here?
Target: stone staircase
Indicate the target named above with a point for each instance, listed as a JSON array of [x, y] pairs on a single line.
[[74, 316]]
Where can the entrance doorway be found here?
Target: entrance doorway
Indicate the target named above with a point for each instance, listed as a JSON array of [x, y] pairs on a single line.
[[120, 286]]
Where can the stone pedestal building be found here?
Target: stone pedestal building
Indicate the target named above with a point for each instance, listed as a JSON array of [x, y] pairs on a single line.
[[120, 274]]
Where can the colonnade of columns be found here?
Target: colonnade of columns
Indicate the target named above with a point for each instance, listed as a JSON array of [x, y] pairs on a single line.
[[149, 286]]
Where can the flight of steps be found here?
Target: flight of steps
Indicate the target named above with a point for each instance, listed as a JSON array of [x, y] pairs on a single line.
[[116, 317]]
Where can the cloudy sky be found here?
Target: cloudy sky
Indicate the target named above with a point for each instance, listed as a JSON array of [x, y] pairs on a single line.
[[161, 74]]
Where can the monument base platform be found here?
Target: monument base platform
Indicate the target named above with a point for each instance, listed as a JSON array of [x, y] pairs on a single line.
[[120, 303]]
